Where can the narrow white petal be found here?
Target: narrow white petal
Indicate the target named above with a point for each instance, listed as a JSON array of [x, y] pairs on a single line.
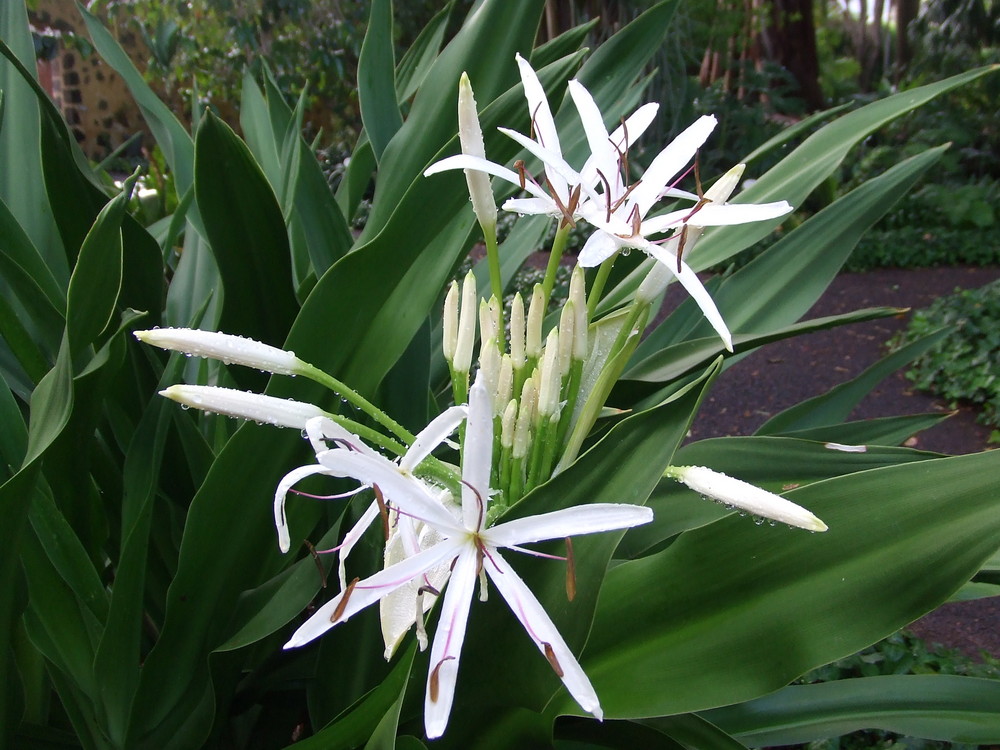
[[477, 456], [448, 639], [580, 519], [351, 538], [720, 214], [590, 116], [671, 160], [373, 588], [543, 632], [598, 248], [665, 222], [542, 122], [405, 491], [467, 161], [319, 430], [432, 436], [690, 281], [748, 497], [532, 206], [287, 482], [554, 163]]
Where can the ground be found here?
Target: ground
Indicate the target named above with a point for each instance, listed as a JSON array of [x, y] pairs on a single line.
[[784, 373]]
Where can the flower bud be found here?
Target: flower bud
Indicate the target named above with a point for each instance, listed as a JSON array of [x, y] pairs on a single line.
[[505, 383], [551, 377], [567, 336], [517, 332], [470, 135], [533, 331], [466, 325], [230, 349], [230, 402], [449, 324], [578, 296], [525, 418]]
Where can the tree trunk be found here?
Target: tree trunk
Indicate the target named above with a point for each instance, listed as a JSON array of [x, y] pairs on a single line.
[[791, 37], [906, 11]]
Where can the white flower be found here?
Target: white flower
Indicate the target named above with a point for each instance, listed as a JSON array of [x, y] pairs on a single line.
[[232, 350], [470, 548], [622, 223], [739, 494]]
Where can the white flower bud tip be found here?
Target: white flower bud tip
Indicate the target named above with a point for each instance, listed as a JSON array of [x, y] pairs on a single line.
[[257, 407], [230, 349]]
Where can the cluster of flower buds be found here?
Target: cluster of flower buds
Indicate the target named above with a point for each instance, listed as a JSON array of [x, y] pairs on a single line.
[[534, 377]]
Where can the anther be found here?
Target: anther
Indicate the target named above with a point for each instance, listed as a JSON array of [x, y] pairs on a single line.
[[435, 679], [570, 571], [319, 565], [342, 604], [382, 510], [550, 655]]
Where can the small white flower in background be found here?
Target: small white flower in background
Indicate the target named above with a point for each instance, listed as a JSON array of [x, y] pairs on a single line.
[[230, 349], [470, 548], [742, 495]]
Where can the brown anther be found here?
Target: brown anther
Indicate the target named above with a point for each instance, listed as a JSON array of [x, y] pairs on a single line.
[[567, 219], [607, 194], [532, 130], [636, 221], [522, 176], [680, 246], [342, 604], [550, 654], [319, 565], [625, 195], [383, 511], [570, 571], [434, 681], [428, 589]]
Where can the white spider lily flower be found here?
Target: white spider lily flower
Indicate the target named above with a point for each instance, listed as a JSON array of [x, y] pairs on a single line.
[[470, 548], [257, 407], [742, 495], [230, 349]]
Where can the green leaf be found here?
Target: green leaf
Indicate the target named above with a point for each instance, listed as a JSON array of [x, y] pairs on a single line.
[[416, 61], [835, 405], [798, 174], [247, 234], [877, 431], [376, 79], [716, 618], [938, 707]]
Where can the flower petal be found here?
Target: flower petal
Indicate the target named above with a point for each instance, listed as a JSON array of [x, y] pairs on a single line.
[[532, 206], [721, 214], [690, 281], [448, 639], [671, 160], [598, 248], [432, 436], [580, 519], [287, 482], [406, 491], [373, 588], [467, 161], [543, 632], [351, 538], [477, 456]]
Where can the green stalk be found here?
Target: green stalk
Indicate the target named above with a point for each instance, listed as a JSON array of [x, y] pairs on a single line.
[[356, 399], [555, 256], [493, 259], [594, 296]]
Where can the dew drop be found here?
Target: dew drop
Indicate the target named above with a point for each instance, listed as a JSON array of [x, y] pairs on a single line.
[[185, 406]]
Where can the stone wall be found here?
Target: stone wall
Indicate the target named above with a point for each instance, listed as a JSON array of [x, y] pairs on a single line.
[[92, 97]]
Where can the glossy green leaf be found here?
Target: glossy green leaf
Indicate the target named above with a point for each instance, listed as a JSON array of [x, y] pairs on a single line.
[[729, 627], [939, 707], [798, 174], [247, 234], [693, 731], [876, 431], [835, 405], [376, 77], [416, 61]]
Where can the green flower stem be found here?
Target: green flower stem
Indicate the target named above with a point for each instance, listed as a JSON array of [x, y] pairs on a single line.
[[572, 391], [369, 434], [542, 449], [441, 473], [355, 399], [503, 483], [594, 297], [555, 256], [516, 491], [459, 386], [493, 259]]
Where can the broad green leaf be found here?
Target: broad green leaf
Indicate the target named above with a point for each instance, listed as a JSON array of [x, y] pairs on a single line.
[[939, 707], [24, 268], [716, 617], [835, 405], [247, 234], [798, 174], [794, 131], [876, 431], [693, 731], [21, 187], [566, 43], [376, 79], [20, 342], [358, 723], [416, 61]]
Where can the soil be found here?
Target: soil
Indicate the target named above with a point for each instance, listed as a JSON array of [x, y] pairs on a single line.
[[787, 372]]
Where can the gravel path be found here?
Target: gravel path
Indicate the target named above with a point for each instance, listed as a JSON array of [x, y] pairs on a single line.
[[786, 372]]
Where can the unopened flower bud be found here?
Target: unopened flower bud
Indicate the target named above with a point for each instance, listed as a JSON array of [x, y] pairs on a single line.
[[230, 349], [745, 496], [533, 331], [567, 336], [470, 135], [517, 332], [489, 365], [508, 424], [578, 296], [449, 324], [257, 407], [466, 325], [489, 320], [551, 377], [525, 418], [505, 383]]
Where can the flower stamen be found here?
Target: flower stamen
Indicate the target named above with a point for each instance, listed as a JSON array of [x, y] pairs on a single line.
[[342, 604], [435, 680], [550, 656]]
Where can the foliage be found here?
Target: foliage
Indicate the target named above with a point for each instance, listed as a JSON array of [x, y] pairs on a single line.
[[144, 600], [963, 367]]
